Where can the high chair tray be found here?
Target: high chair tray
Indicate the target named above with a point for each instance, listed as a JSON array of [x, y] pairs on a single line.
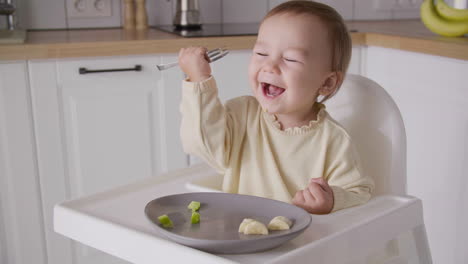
[[114, 221]]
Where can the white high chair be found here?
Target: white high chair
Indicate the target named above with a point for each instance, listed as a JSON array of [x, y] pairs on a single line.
[[375, 124], [388, 229]]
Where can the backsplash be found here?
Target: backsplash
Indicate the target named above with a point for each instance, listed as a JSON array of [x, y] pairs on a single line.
[[52, 14]]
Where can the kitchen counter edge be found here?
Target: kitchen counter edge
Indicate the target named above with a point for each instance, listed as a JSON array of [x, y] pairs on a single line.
[[403, 35]]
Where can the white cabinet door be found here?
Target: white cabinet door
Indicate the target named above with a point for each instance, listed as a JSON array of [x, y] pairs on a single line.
[[99, 130], [21, 219], [432, 94], [111, 123]]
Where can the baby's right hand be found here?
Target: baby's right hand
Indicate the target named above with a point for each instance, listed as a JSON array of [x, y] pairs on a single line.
[[316, 198], [195, 63]]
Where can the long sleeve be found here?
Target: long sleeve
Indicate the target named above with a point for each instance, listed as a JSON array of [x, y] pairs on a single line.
[[345, 176], [206, 127]]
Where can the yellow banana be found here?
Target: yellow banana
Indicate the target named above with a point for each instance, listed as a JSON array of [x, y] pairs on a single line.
[[451, 13], [439, 25]]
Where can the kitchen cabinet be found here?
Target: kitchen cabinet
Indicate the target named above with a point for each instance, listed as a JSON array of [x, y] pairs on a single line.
[[432, 94], [21, 215], [99, 130]]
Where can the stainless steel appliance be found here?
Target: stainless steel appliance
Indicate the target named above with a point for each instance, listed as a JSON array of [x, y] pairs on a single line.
[[7, 9], [187, 15], [10, 35]]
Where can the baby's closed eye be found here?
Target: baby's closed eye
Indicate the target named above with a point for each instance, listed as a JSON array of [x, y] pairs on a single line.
[[290, 60]]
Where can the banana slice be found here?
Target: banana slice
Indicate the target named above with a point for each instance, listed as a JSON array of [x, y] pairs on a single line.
[[255, 228], [279, 223], [244, 224]]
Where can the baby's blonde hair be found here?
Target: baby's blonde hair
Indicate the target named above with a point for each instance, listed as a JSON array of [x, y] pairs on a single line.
[[339, 36]]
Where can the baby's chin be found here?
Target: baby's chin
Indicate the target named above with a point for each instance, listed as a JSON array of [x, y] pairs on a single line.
[[266, 106]]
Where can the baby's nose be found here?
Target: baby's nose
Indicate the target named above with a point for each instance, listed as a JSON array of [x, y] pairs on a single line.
[[271, 66]]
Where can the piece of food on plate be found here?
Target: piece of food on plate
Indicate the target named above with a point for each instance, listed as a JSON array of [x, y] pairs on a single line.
[[165, 221], [253, 227], [194, 206], [244, 223], [195, 218], [280, 223]]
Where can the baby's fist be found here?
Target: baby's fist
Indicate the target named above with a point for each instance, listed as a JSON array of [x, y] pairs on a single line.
[[317, 198], [194, 63]]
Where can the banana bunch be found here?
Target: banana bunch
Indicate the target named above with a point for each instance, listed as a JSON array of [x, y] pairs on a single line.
[[443, 19]]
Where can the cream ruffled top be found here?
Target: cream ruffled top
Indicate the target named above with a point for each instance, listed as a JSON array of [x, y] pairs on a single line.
[[256, 157]]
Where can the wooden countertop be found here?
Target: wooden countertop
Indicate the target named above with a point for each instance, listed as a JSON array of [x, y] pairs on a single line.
[[409, 35]]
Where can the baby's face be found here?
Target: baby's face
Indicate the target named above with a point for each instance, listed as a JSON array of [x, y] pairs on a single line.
[[290, 62]]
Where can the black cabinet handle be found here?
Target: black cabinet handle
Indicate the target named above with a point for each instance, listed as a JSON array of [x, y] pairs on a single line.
[[85, 71]]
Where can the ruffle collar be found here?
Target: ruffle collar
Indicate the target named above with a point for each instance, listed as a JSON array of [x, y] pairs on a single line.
[[273, 120]]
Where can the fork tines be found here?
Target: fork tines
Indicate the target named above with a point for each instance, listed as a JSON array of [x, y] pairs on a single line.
[[217, 54], [214, 51]]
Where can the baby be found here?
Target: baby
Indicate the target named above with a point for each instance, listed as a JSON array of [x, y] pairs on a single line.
[[280, 143]]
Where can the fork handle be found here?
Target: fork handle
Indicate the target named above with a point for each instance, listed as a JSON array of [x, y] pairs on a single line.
[[167, 66]]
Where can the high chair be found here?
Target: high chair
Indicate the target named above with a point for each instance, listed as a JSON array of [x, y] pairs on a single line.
[[388, 229], [375, 124]]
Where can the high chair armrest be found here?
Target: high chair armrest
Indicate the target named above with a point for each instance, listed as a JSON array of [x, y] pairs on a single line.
[[354, 232]]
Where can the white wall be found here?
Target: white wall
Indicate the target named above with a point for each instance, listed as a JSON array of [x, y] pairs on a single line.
[[51, 14]]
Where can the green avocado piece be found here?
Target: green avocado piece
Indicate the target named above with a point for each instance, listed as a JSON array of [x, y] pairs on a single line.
[[165, 221], [195, 218], [194, 206]]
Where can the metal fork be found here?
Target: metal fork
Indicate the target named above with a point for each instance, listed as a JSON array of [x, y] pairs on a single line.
[[213, 55]]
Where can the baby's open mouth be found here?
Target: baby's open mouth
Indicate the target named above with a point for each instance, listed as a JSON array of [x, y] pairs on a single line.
[[270, 90]]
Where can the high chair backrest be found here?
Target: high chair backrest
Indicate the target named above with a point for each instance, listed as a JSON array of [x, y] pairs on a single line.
[[376, 127]]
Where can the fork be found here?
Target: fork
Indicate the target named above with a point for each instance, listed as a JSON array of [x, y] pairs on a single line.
[[213, 55]]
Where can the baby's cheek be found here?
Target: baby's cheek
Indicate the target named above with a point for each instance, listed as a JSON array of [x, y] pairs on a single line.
[[252, 80], [252, 71]]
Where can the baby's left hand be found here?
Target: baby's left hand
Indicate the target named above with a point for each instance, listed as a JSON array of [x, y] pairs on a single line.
[[317, 198]]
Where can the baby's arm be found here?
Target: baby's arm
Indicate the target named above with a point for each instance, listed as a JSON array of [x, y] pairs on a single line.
[[350, 185], [343, 185], [206, 128]]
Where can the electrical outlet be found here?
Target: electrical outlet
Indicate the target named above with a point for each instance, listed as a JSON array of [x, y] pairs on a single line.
[[89, 8]]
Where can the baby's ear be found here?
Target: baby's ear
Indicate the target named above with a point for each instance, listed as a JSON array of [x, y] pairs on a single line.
[[331, 83]]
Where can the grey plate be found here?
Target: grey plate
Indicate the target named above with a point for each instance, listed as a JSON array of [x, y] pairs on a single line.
[[220, 217]]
